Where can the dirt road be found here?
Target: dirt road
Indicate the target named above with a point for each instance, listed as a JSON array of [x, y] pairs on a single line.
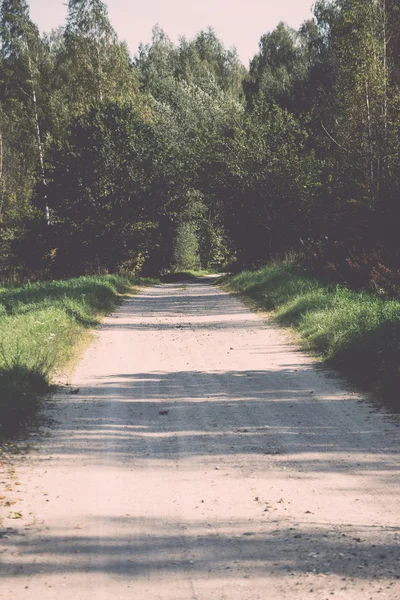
[[203, 457]]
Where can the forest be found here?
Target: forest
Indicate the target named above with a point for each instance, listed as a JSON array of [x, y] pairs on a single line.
[[200, 308], [180, 157]]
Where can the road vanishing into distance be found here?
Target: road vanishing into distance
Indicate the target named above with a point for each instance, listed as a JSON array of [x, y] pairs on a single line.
[[199, 455]]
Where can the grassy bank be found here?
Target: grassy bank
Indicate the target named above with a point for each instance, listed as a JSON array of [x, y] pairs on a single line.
[[41, 328], [356, 332]]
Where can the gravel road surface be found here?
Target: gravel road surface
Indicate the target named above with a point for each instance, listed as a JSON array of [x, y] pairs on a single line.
[[201, 456]]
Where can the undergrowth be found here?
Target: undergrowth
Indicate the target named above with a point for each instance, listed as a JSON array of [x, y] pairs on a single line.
[[356, 332], [41, 326]]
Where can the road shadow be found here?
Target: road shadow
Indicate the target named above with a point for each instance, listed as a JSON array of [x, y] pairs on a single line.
[[309, 549], [269, 418], [146, 415]]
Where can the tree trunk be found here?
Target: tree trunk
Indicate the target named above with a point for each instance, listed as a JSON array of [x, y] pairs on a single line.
[[38, 135], [1, 177]]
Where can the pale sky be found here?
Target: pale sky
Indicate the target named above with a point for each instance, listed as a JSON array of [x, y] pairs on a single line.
[[238, 23]]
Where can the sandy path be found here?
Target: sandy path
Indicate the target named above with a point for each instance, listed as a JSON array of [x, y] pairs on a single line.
[[204, 458]]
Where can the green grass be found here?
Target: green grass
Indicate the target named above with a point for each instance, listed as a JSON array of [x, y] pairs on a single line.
[[356, 332], [41, 326]]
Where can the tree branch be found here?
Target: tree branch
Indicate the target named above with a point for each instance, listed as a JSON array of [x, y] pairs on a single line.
[[333, 139]]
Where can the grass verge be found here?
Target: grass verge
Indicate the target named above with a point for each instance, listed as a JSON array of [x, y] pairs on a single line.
[[41, 327], [356, 332]]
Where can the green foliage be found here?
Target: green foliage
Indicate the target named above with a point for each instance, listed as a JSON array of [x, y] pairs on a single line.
[[41, 325], [355, 113], [213, 247], [277, 68], [103, 214], [304, 147], [195, 61], [355, 331], [21, 56], [274, 184], [185, 254], [98, 66]]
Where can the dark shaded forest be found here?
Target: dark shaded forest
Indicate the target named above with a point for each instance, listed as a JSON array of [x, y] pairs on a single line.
[[181, 158]]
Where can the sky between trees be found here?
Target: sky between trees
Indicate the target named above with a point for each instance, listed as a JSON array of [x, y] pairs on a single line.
[[237, 22]]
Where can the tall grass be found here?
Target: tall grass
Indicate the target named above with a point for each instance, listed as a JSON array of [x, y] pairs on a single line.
[[356, 332], [41, 325]]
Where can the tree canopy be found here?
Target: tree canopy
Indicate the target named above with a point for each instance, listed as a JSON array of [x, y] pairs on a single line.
[[180, 157]]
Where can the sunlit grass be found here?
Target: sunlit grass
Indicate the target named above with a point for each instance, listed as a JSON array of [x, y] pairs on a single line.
[[41, 326], [357, 332]]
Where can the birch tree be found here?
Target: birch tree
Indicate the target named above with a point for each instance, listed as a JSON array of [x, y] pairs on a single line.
[[20, 50], [353, 109], [96, 65]]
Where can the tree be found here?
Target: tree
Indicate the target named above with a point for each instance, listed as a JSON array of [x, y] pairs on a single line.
[[104, 194], [20, 53], [277, 68], [94, 65], [206, 56], [354, 110], [272, 193]]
